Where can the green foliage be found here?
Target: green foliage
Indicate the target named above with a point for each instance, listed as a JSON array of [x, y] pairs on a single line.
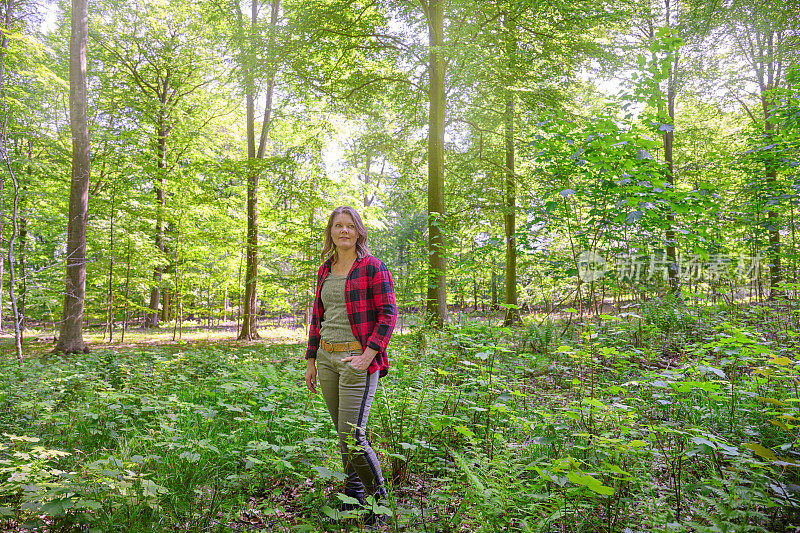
[[600, 433]]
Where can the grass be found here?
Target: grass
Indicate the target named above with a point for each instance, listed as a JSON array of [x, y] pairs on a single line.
[[607, 425]]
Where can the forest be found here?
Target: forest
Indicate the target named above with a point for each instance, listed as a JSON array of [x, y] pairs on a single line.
[[589, 210]]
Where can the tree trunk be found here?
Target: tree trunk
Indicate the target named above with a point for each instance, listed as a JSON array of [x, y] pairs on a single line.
[[3, 47], [110, 295], [512, 313], [155, 291], [127, 292], [672, 255], [2, 263], [10, 255], [70, 338], [494, 284], [162, 92], [166, 304], [249, 329], [436, 302], [764, 49], [22, 260], [225, 305], [177, 304], [367, 170], [239, 306], [773, 218]]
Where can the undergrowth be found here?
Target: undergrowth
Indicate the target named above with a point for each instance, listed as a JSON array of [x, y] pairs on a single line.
[[674, 418]]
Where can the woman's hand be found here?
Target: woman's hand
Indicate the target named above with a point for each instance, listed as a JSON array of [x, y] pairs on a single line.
[[361, 362], [311, 375]]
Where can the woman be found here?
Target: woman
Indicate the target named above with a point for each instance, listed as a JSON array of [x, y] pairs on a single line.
[[353, 317]]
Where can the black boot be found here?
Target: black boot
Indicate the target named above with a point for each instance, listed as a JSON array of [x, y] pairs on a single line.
[[353, 493], [373, 520]]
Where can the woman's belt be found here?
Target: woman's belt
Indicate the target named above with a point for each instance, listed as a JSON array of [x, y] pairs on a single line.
[[340, 346]]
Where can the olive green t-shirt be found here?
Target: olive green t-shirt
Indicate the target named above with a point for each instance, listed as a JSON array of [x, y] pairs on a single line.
[[335, 324]]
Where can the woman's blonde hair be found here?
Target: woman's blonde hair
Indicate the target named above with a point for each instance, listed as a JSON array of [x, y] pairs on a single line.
[[329, 249]]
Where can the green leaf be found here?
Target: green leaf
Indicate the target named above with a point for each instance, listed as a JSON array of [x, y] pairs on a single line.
[[465, 431], [761, 451], [590, 483], [348, 499], [773, 401], [324, 473], [782, 361], [382, 509], [57, 507]]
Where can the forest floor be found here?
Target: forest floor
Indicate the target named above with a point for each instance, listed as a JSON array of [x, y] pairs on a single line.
[[683, 419]]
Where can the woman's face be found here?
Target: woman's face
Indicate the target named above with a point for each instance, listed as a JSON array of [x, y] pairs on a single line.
[[344, 232]]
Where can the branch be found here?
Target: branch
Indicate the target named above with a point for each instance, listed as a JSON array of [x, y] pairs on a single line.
[[380, 79], [747, 109], [185, 148]]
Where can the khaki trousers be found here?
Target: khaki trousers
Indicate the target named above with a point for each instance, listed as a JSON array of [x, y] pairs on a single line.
[[348, 394]]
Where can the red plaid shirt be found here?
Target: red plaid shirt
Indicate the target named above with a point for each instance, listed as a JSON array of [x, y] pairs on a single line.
[[369, 296]]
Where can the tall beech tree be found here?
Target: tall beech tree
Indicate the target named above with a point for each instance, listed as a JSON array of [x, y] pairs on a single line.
[[436, 302], [249, 59], [762, 35], [662, 20], [71, 333], [524, 59], [165, 59], [371, 53]]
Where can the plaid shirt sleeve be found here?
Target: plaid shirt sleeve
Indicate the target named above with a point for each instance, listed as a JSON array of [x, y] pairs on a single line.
[[371, 308], [383, 302]]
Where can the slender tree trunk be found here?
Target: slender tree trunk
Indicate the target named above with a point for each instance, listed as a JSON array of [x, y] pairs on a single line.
[[239, 306], [151, 320], [10, 257], [773, 219], [7, 160], [494, 284], [436, 301], [672, 255], [2, 263], [71, 335], [22, 258], [110, 295], [177, 303], [6, 17], [367, 171], [127, 292], [249, 330], [794, 246], [161, 154], [512, 313]]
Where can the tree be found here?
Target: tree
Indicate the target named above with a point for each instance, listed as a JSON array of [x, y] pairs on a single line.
[[161, 50], [762, 36], [71, 333], [436, 303], [248, 65], [7, 18]]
